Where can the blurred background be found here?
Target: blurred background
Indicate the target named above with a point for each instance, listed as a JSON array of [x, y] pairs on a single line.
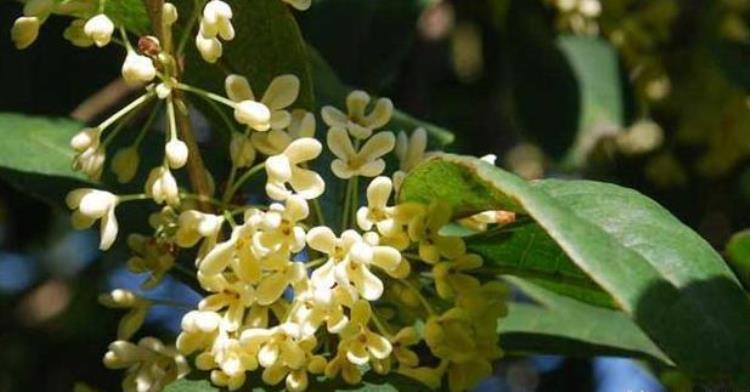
[[649, 94]]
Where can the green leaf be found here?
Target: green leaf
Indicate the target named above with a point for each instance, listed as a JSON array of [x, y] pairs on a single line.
[[560, 325], [198, 382], [35, 155], [329, 90], [738, 253], [526, 250], [594, 63], [129, 13], [268, 43], [657, 270]]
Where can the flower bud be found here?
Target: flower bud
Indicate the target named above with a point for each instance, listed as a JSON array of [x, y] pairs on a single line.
[[163, 90], [138, 69], [169, 14], [209, 48], [99, 29], [118, 298], [217, 16], [125, 164], [85, 139], [162, 187], [25, 31], [253, 114], [177, 153]]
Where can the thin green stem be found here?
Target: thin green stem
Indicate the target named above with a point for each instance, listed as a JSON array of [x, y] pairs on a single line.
[[125, 39], [122, 112], [316, 262], [380, 325], [147, 125], [321, 220], [354, 203], [170, 303], [118, 128], [347, 202], [206, 94], [192, 196], [224, 118], [241, 181]]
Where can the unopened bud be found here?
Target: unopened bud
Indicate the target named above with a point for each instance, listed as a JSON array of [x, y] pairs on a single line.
[[209, 48], [138, 69], [25, 31], [253, 114], [76, 35], [125, 164], [241, 150], [177, 153], [99, 29], [149, 45], [169, 14]]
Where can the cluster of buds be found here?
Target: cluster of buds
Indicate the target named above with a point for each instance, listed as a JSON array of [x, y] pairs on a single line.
[[285, 292], [580, 16]]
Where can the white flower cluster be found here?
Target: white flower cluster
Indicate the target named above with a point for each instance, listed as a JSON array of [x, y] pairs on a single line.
[[580, 16], [286, 293]]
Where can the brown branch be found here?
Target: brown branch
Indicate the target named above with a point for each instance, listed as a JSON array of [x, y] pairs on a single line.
[[196, 169], [102, 101]]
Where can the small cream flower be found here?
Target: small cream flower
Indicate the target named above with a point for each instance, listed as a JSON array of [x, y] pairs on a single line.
[[199, 331], [390, 221], [232, 361], [350, 258], [162, 186], [217, 21], [138, 69], [90, 155], [231, 296], [276, 140], [25, 31], [359, 124], [269, 112], [285, 168], [151, 365], [280, 273], [192, 226], [426, 230], [90, 205], [99, 29], [280, 229], [358, 342], [132, 321], [150, 256], [295, 374], [320, 305], [209, 48], [366, 162], [450, 277]]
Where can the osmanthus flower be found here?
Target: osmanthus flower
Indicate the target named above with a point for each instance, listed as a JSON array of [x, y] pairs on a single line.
[[302, 124], [450, 277], [358, 342], [481, 221], [366, 162], [228, 294], [138, 308], [287, 168], [356, 121], [199, 331], [161, 186], [150, 364], [425, 229], [90, 155], [319, 305], [25, 31], [281, 352], [228, 362], [268, 113], [280, 273], [390, 221], [125, 164], [241, 150], [280, 228], [296, 378], [406, 338], [90, 205], [216, 22], [193, 226], [349, 262], [76, 35]]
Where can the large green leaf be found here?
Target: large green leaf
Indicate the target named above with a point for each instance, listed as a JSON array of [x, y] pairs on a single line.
[[560, 325], [198, 382], [657, 270], [35, 155], [526, 250]]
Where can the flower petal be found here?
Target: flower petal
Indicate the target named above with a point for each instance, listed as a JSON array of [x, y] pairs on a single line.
[[282, 92], [340, 144]]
